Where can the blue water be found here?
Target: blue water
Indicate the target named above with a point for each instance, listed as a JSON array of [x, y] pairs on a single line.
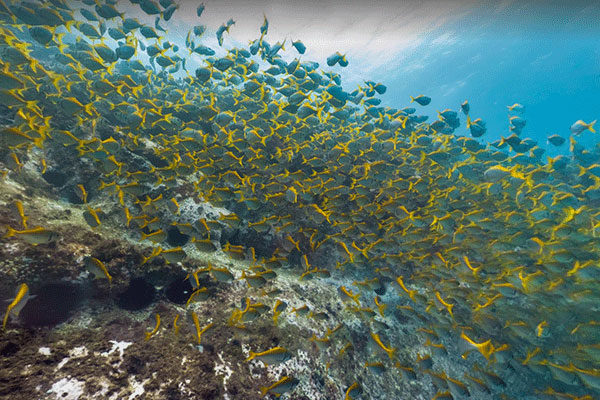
[[544, 55]]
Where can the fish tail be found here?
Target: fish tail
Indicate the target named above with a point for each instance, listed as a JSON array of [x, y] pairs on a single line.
[[39, 142], [591, 126], [55, 82], [5, 320], [88, 108], [11, 232], [120, 89], [469, 122], [252, 356], [390, 352], [24, 221], [103, 185], [412, 99], [128, 216], [69, 24], [264, 390], [411, 294]]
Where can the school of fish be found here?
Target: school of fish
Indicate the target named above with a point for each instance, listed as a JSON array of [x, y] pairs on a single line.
[[492, 249]]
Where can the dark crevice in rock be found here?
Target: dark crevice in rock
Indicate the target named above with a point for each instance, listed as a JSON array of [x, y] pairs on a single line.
[[138, 295], [53, 303]]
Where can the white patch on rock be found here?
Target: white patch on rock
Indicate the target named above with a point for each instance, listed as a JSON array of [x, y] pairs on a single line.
[[137, 388], [246, 350], [63, 362], [117, 346], [223, 369], [80, 351], [75, 352], [45, 351], [121, 346], [67, 389], [12, 248]]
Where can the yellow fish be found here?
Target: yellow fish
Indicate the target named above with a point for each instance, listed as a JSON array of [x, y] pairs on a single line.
[[283, 385], [155, 330], [83, 195], [97, 268], [390, 351], [21, 213], [275, 355], [33, 236], [18, 303], [200, 331]]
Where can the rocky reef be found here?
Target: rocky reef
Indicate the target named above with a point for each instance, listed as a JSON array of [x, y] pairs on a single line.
[[81, 337]]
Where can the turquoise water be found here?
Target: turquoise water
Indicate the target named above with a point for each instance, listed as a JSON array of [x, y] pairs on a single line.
[[543, 55]]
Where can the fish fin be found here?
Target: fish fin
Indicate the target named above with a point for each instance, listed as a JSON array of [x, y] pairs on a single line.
[[5, 320], [10, 232], [263, 390], [16, 312], [88, 108], [39, 142]]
